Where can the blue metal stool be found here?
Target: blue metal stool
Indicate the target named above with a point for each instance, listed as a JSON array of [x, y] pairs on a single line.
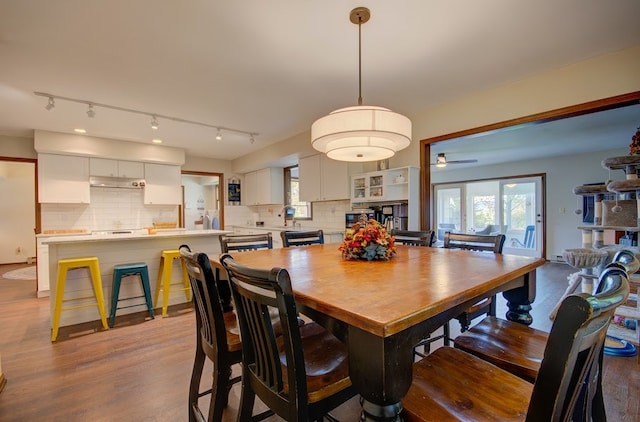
[[125, 270]]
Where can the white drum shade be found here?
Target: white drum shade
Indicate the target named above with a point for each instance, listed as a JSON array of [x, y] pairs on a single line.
[[361, 133]]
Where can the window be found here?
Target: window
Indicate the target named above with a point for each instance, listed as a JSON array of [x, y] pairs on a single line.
[[292, 195], [511, 206]]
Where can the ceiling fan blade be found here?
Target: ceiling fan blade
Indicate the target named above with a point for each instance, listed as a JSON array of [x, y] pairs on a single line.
[[457, 162], [461, 161]]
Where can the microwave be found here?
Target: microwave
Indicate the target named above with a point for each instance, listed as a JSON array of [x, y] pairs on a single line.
[[353, 217]]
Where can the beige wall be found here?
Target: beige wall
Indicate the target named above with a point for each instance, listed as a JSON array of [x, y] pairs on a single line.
[[594, 79], [15, 147]]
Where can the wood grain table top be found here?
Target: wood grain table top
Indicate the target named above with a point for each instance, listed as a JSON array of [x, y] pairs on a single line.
[[385, 297]]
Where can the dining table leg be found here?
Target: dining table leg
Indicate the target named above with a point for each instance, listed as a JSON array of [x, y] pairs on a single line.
[[519, 300], [381, 371]]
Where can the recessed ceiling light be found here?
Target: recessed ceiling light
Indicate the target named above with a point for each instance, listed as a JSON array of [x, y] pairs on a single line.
[[78, 130], [157, 141]]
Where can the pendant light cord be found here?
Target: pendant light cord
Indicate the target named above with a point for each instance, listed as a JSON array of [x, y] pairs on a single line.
[[359, 60]]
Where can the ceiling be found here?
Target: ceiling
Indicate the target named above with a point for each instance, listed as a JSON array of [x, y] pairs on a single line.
[[272, 68]]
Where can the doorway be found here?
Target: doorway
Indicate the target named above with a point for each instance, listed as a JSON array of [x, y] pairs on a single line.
[[19, 219], [510, 206], [202, 201]]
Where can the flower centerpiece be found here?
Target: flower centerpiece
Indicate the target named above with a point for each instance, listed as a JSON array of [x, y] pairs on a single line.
[[634, 146], [369, 241]]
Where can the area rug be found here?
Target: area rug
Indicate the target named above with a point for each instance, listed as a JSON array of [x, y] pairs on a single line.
[[26, 273]]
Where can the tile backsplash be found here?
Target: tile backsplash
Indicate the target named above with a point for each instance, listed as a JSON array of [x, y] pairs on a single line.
[[110, 209], [329, 214], [116, 209]]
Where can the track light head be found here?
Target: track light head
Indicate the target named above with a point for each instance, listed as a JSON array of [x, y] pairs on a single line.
[[252, 139], [154, 123], [90, 111], [219, 135], [51, 104]]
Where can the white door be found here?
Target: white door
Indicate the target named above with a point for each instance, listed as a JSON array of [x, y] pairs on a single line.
[[522, 215]]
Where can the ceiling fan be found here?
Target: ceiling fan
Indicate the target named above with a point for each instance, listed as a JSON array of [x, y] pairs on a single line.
[[441, 161]]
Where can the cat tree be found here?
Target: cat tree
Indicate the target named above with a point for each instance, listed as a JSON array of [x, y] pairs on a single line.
[[620, 215]]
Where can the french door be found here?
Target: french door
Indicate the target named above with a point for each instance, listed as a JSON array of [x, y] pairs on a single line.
[[511, 206]]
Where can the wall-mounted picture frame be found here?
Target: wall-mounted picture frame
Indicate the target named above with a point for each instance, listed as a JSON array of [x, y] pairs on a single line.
[[234, 193]]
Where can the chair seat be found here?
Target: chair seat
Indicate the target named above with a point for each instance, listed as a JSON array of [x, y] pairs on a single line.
[[233, 332], [325, 359], [440, 390], [509, 345]]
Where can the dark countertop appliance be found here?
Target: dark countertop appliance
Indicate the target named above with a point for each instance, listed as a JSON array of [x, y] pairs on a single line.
[[353, 217]]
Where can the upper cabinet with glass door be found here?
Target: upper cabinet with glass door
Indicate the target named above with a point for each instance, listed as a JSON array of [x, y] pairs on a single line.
[[399, 184]]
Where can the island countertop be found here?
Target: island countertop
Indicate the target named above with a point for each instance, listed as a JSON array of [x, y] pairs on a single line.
[[47, 239], [113, 249]]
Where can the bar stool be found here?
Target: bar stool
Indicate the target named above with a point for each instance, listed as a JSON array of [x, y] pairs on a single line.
[[164, 278], [64, 265], [125, 270]]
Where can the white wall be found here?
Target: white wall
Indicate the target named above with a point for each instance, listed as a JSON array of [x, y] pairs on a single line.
[[563, 174], [17, 212]]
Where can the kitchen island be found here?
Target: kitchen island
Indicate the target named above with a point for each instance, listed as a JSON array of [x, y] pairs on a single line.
[[113, 249]]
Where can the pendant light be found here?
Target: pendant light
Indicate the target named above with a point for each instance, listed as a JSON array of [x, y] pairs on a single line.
[[361, 133]]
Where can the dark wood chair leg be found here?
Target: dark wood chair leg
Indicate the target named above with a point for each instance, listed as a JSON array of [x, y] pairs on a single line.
[[247, 399], [194, 387], [220, 388]]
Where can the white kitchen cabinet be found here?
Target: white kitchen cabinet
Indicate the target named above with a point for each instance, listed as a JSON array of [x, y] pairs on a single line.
[[162, 184], [116, 168], [368, 187], [323, 179], [264, 187], [63, 179], [400, 184]]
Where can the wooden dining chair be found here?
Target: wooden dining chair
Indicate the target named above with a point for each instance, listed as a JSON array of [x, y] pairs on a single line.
[[217, 338], [487, 306], [414, 237], [302, 374], [245, 242], [517, 348], [563, 389], [298, 238]]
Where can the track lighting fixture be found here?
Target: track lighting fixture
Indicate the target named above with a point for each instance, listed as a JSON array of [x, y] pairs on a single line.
[[91, 105]]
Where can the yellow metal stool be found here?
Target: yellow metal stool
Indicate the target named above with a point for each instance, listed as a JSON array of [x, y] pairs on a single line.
[[164, 279], [64, 265]]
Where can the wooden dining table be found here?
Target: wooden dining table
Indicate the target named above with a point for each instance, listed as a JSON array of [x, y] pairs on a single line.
[[381, 309]]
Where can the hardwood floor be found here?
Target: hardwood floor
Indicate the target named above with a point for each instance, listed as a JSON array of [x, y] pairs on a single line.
[[140, 369]]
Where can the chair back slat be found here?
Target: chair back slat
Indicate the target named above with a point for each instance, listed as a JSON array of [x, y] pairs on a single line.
[[474, 242], [414, 237], [260, 295], [209, 313], [301, 238], [250, 242], [572, 357]]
